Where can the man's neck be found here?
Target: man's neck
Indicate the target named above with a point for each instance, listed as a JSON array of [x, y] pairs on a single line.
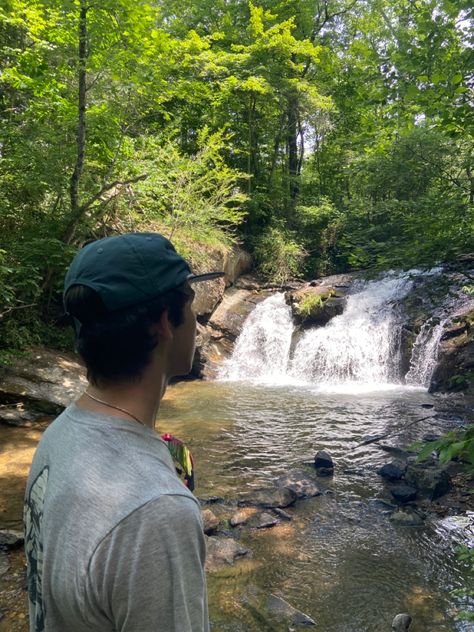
[[140, 400]]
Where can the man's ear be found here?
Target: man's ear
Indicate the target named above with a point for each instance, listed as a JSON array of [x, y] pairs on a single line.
[[163, 328]]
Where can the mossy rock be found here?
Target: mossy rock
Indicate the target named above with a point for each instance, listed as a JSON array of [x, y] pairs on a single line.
[[315, 305]]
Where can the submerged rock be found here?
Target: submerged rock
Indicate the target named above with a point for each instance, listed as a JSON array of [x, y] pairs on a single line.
[[280, 497], [240, 517], [278, 606], [273, 611], [299, 482], [222, 551], [431, 481], [401, 623], [391, 472], [281, 610], [263, 520], [403, 493], [406, 517], [18, 416], [210, 521]]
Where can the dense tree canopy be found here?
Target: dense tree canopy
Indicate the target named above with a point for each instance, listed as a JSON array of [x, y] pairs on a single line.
[[325, 135]]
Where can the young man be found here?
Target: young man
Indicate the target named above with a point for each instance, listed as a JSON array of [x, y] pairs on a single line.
[[114, 539]]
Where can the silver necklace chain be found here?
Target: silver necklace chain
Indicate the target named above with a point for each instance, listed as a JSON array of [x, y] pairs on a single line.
[[122, 410]]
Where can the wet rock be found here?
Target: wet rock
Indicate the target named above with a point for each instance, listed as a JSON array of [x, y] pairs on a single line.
[[431, 481], [383, 505], [315, 305], [10, 539], [406, 517], [269, 498], [323, 463], [281, 513], [281, 610], [262, 520], [391, 472], [401, 623], [221, 552], [240, 517], [429, 437], [209, 520], [403, 493], [299, 482], [325, 471]]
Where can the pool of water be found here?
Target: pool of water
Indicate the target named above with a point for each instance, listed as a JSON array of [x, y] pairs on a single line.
[[340, 559]]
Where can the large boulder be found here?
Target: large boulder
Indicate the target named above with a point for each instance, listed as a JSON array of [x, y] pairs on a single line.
[[315, 305], [216, 340], [234, 308], [233, 263], [455, 368], [46, 380]]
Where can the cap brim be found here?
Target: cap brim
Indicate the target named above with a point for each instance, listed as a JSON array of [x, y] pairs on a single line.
[[207, 276]]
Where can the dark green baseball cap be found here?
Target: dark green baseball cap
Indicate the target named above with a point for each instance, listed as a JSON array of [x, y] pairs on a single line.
[[130, 269]]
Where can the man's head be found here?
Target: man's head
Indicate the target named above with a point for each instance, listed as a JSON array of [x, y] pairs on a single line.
[[118, 291]]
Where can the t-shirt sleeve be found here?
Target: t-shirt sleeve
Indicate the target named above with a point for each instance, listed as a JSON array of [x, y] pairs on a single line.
[[147, 575]]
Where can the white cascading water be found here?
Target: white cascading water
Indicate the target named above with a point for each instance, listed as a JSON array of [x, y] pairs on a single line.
[[361, 345], [262, 349], [358, 350], [424, 354]]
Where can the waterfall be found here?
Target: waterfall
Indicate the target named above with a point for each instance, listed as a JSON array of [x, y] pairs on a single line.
[[361, 345], [263, 347], [425, 353], [357, 350]]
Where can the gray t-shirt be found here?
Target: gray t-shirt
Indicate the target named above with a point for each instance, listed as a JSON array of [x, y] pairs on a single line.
[[113, 538]]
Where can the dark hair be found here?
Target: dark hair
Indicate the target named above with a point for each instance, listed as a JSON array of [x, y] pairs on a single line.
[[118, 345]]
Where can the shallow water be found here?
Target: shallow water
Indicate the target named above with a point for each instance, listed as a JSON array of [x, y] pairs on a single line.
[[340, 560]]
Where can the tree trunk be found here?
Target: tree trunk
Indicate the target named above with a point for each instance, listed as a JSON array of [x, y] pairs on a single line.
[[292, 145], [81, 126]]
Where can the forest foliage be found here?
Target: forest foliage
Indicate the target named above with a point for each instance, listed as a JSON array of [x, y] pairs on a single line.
[[324, 135]]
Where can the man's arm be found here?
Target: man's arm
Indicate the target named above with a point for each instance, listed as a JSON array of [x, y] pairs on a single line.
[[147, 575]]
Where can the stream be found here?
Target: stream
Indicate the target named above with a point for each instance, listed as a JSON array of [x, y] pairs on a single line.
[[340, 560]]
